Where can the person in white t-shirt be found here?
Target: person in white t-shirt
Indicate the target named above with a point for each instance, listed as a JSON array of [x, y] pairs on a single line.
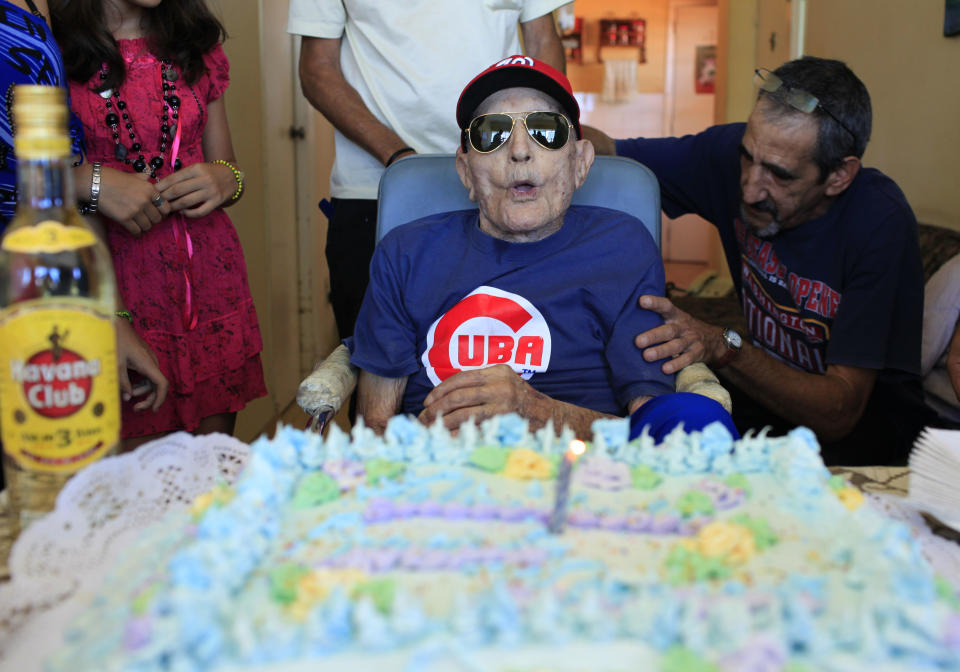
[[386, 75]]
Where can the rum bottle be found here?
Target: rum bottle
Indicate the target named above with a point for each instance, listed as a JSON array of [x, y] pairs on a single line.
[[59, 393]]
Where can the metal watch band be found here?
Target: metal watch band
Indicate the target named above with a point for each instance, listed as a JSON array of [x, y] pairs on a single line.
[[729, 355]]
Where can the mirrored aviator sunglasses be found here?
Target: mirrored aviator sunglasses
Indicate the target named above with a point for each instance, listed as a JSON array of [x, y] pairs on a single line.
[[489, 132]]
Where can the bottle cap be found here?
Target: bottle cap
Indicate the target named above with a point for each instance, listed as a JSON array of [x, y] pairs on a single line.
[[40, 122]]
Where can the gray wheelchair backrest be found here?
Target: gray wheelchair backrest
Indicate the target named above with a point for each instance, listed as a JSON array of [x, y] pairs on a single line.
[[427, 184]]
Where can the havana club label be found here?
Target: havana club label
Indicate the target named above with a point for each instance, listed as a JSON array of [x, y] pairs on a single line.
[[59, 396], [48, 236]]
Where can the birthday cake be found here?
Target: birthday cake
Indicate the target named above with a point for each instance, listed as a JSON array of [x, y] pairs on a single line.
[[499, 549]]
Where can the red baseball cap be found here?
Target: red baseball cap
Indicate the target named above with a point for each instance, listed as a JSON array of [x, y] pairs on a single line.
[[518, 70]]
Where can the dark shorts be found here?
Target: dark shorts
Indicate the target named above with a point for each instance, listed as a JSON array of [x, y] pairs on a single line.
[[351, 238]]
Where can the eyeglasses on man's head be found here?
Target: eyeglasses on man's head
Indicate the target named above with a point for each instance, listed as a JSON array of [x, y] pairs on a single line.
[[798, 99]]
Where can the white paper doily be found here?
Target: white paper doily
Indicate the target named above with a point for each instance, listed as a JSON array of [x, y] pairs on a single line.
[[102, 509], [942, 554]]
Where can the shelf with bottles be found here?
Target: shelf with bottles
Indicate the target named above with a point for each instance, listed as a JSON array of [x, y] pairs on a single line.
[[623, 33]]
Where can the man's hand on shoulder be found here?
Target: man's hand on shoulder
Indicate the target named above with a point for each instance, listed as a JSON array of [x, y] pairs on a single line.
[[830, 403], [480, 394], [681, 339]]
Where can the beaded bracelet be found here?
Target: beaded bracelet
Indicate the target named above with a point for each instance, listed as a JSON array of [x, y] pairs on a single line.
[[238, 176], [125, 314]]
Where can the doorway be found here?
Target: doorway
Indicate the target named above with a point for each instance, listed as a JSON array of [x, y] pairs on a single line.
[[667, 98], [690, 243]]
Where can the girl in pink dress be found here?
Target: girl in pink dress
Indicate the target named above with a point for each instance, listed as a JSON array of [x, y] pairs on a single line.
[[147, 81]]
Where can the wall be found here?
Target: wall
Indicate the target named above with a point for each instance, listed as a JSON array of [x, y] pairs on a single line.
[[736, 59], [773, 33], [745, 28], [910, 69], [588, 77]]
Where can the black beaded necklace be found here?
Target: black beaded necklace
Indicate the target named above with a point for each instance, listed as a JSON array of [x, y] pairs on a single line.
[[118, 113]]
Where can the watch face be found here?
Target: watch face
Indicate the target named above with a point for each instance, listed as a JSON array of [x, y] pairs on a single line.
[[733, 339]]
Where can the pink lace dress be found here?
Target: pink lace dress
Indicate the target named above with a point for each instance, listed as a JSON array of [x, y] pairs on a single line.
[[185, 280]]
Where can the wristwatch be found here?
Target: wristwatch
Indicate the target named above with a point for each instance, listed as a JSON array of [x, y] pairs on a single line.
[[734, 343]]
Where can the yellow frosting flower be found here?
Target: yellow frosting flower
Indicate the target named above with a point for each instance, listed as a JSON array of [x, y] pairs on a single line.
[[318, 584], [525, 464], [850, 497], [733, 542], [201, 504], [219, 495]]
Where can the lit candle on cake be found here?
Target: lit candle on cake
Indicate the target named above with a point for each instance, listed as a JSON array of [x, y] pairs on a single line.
[[558, 517]]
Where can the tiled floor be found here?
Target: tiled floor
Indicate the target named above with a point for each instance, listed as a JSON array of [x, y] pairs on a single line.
[[641, 116], [291, 415]]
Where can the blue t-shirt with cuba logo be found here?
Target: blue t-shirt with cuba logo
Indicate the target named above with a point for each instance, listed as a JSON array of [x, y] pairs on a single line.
[[445, 297]]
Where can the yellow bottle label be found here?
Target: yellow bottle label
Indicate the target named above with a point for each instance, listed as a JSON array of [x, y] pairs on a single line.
[[59, 395], [49, 236]]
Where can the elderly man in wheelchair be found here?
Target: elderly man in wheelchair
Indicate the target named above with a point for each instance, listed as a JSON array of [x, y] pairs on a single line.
[[524, 304]]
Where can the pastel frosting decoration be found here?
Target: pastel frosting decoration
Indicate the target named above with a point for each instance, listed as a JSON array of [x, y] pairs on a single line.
[[426, 550]]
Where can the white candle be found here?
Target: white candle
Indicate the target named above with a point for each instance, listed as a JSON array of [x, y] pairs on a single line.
[[558, 517]]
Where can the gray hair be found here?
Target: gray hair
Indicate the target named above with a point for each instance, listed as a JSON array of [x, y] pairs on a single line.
[[839, 91]]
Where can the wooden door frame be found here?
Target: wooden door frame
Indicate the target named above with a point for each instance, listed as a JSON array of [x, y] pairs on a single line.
[[277, 85], [798, 27], [669, 79], [313, 158]]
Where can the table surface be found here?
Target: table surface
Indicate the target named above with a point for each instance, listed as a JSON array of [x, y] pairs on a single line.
[[890, 480]]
